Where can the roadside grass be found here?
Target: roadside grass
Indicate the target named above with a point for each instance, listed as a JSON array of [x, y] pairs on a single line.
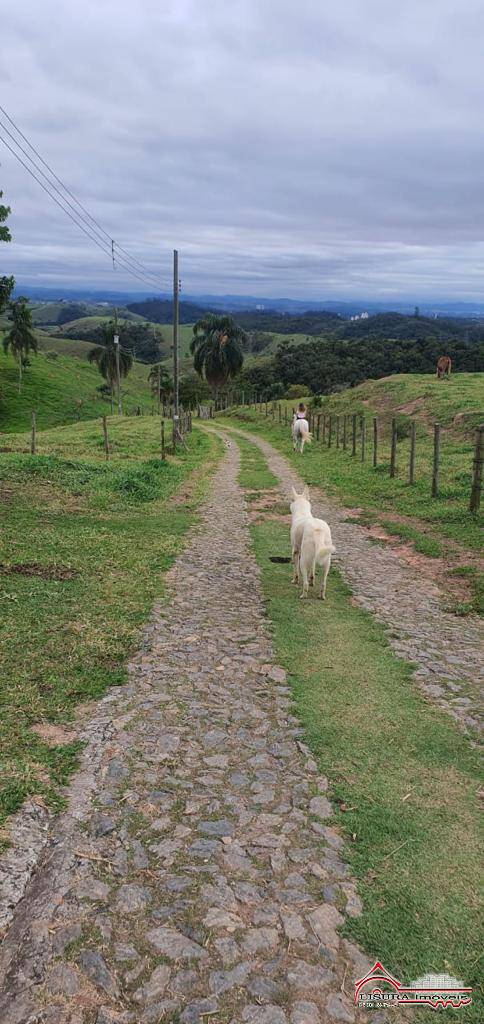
[[426, 545], [358, 484], [407, 778], [112, 529], [475, 578], [51, 388]]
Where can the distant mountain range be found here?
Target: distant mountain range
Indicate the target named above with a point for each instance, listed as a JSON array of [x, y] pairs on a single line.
[[235, 303]]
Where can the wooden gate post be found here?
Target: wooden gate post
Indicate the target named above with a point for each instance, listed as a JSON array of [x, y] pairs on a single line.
[[363, 437], [106, 439], [324, 428], [330, 431], [318, 426], [475, 499], [393, 455], [285, 415], [344, 432], [337, 431], [411, 464], [375, 440], [435, 467], [163, 453], [353, 440], [33, 435]]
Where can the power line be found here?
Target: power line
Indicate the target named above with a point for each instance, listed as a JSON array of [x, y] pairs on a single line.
[[89, 226], [95, 224], [76, 222]]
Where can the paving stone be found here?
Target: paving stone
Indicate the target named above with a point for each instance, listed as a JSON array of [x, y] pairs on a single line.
[[174, 945], [303, 976], [94, 967], [259, 940], [320, 806], [130, 898], [62, 980], [339, 1008], [263, 1015], [198, 1011], [154, 987], [303, 1012], [223, 981]]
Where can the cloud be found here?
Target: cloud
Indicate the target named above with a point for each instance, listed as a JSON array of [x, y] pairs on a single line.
[[314, 150]]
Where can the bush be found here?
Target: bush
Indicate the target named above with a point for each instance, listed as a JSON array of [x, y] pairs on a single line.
[[51, 354], [297, 391]]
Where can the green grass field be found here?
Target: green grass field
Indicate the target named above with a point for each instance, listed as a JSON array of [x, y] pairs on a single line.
[[84, 548], [404, 782], [357, 484], [51, 388]]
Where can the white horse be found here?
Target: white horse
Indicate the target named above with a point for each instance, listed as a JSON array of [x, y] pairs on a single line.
[[300, 433]]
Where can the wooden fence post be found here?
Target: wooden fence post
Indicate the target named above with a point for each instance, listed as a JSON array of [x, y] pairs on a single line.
[[106, 439], [163, 453], [330, 431], [280, 413], [266, 411], [363, 437], [411, 464], [344, 432], [324, 428], [375, 440], [285, 415], [318, 426], [33, 435], [435, 467], [353, 439], [337, 431], [475, 499], [393, 455]]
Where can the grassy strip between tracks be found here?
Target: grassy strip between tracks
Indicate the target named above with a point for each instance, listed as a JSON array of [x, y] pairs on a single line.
[[408, 779], [84, 548]]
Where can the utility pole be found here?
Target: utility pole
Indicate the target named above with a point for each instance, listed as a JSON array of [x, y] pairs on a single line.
[[118, 375], [176, 291]]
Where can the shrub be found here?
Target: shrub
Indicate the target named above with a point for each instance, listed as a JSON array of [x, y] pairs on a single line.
[[51, 354], [297, 391]]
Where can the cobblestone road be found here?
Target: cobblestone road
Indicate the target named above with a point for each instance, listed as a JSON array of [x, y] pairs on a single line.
[[193, 877]]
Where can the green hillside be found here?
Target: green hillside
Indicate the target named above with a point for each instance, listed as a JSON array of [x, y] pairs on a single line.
[[51, 387]]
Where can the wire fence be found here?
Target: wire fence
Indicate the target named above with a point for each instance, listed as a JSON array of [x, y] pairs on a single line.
[[396, 446]]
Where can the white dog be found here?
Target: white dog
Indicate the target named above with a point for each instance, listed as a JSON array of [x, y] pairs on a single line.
[[300, 433], [311, 543]]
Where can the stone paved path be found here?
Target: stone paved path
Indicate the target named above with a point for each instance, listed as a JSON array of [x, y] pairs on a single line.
[[193, 877], [448, 651]]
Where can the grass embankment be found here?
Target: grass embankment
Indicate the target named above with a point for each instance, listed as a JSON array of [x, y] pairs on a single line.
[[454, 403], [403, 780], [84, 548], [52, 387]]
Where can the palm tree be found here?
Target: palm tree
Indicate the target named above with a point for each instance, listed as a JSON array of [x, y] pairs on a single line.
[[160, 380], [104, 356], [20, 339], [217, 348]]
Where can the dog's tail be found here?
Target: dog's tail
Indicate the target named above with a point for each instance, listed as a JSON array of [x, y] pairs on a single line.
[[322, 547]]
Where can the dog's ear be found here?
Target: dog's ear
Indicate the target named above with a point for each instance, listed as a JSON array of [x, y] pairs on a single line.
[[294, 493], [305, 493]]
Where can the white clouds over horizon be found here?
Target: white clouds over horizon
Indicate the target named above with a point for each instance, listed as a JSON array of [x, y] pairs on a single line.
[[310, 150]]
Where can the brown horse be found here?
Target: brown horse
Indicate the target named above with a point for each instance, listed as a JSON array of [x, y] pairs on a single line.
[[444, 366]]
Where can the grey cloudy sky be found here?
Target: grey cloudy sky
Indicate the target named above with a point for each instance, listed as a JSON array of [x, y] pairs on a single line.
[[309, 149]]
